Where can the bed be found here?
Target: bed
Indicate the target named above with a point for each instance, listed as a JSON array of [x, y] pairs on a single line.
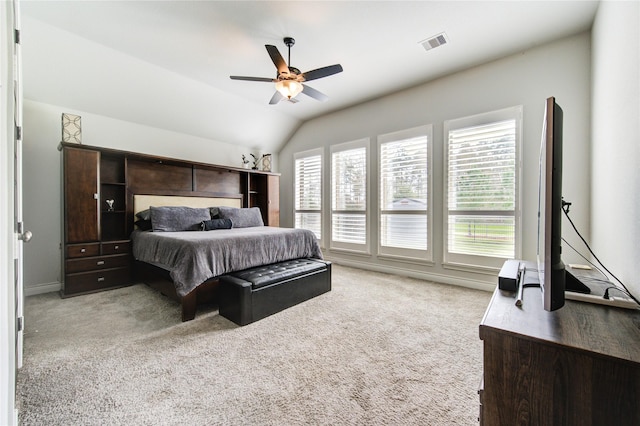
[[186, 265]]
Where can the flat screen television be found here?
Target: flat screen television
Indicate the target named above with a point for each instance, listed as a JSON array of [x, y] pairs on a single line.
[[554, 278]]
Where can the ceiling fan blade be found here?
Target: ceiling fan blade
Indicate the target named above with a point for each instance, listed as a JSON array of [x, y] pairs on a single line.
[[322, 72], [310, 91], [277, 59], [277, 97], [267, 80]]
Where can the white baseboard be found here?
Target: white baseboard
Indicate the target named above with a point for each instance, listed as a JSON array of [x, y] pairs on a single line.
[[32, 290], [438, 278]]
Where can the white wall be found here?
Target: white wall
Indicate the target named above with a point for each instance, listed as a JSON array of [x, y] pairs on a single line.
[[42, 174], [560, 69], [62, 68], [615, 200]]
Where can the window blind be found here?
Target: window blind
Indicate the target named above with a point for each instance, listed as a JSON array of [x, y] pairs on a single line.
[[404, 193], [308, 193], [349, 179], [482, 189], [349, 195]]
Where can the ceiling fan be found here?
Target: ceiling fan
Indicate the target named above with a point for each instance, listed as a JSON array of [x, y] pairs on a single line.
[[289, 80]]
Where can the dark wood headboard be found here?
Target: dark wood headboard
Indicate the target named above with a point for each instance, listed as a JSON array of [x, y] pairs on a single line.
[[154, 175], [144, 201]]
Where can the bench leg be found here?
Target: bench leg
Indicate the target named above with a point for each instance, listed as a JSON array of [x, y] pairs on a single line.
[[189, 304], [235, 300]]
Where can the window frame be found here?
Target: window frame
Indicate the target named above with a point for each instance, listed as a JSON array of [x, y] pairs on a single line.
[[481, 263], [398, 253], [341, 245], [307, 154]]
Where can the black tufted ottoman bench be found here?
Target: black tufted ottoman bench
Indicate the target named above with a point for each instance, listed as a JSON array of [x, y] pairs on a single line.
[[255, 293]]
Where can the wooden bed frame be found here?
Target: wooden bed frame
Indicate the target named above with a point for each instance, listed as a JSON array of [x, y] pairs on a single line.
[[159, 278], [122, 175]]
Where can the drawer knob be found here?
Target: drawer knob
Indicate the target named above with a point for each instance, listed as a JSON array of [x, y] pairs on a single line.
[[116, 247], [82, 250], [100, 279], [100, 262]]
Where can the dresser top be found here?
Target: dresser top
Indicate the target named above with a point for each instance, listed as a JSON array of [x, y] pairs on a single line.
[[608, 331]]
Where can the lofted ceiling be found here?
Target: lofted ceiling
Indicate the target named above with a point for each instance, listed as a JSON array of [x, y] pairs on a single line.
[[166, 64]]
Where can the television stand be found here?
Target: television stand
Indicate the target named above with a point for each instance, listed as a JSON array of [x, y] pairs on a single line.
[[579, 365]]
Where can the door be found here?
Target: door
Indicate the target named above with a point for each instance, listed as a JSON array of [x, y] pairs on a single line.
[[22, 235], [82, 209], [12, 234]]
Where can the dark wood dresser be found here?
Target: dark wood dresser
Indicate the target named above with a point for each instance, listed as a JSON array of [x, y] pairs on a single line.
[[97, 251], [579, 365]]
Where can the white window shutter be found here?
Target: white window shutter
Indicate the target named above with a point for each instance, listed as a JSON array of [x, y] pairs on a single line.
[[481, 190], [308, 193], [349, 189], [404, 183]]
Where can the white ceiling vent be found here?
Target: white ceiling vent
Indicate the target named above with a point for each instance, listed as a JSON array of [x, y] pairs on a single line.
[[435, 41]]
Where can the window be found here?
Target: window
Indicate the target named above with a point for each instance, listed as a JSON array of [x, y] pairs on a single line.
[[404, 207], [482, 181], [349, 196], [308, 191]]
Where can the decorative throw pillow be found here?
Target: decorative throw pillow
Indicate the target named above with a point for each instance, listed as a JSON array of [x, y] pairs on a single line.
[[144, 214], [213, 224], [242, 218], [173, 219], [143, 225]]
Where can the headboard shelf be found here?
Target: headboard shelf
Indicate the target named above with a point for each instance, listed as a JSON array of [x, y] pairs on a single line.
[[138, 173], [191, 193], [163, 160]]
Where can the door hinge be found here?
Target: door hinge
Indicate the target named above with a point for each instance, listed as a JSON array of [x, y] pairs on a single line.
[[18, 133], [20, 324], [16, 36]]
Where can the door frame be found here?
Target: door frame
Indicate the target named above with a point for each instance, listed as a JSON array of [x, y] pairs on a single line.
[[11, 245], [19, 227]]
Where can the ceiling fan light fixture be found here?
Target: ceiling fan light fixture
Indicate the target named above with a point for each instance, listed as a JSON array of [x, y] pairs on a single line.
[[289, 79], [289, 88]]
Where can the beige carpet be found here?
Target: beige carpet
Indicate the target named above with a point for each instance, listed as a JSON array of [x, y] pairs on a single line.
[[377, 350]]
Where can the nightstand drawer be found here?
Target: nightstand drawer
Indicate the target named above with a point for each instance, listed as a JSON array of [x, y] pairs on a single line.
[[83, 250], [116, 247], [96, 263], [86, 282]]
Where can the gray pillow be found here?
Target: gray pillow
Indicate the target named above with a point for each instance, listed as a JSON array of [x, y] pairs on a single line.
[[143, 225], [144, 214], [242, 218], [174, 219]]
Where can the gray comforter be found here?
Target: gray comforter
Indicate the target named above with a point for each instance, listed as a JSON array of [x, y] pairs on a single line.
[[193, 257]]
